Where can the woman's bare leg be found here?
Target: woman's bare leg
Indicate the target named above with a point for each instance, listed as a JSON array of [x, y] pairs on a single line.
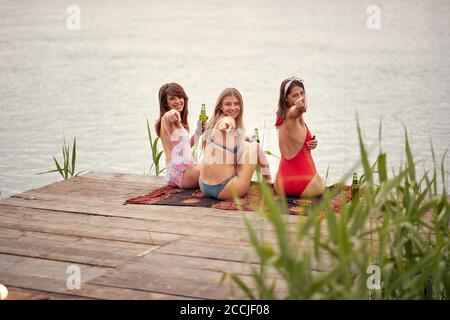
[[240, 184], [315, 187], [278, 186], [190, 176]]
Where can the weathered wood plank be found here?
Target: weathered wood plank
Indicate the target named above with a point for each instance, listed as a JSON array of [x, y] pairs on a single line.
[[222, 266], [90, 185], [207, 234], [72, 249], [167, 213], [194, 247], [73, 225], [15, 293], [45, 268], [48, 276], [160, 218], [123, 177], [102, 206], [175, 278], [48, 287], [38, 218]]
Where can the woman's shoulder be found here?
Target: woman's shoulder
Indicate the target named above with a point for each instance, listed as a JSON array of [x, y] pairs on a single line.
[[290, 122]]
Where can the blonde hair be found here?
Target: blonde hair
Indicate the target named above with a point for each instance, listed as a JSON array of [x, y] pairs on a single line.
[[218, 113]]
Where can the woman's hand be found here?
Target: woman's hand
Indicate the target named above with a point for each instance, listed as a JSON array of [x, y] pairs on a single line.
[[201, 127], [174, 117], [226, 125], [312, 144], [249, 139], [300, 104], [204, 124]]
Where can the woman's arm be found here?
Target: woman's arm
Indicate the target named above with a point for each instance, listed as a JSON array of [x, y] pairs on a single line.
[[198, 132], [172, 117], [298, 109], [170, 120]]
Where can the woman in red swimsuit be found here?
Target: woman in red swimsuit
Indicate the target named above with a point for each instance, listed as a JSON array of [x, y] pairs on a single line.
[[297, 175]]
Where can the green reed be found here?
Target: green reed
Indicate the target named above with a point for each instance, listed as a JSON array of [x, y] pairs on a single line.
[[196, 150], [398, 229], [67, 167], [156, 154]]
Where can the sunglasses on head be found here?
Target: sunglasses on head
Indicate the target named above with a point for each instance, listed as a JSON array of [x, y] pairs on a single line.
[[291, 79]]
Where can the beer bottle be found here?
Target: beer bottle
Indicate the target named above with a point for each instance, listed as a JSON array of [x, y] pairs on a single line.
[[355, 188], [203, 116], [256, 135]]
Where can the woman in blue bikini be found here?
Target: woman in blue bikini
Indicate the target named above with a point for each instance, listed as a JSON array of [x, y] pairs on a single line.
[[229, 158]]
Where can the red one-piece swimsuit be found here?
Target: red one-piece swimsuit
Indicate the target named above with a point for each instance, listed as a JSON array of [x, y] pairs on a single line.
[[295, 174]]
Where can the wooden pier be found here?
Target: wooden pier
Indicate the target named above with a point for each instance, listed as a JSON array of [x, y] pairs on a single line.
[[122, 251]]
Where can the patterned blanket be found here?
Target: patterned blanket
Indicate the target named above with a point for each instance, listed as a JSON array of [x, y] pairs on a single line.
[[173, 196]]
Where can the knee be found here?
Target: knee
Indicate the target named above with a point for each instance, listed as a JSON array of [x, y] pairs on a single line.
[[241, 193], [240, 189], [321, 182], [243, 189], [191, 176], [319, 186]]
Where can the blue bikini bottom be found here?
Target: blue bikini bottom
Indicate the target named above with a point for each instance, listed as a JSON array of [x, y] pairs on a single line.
[[213, 190]]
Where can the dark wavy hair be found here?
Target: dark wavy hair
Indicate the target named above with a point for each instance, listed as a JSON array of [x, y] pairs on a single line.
[[172, 89]]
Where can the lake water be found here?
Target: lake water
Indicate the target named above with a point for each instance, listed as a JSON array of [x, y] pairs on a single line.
[[100, 83]]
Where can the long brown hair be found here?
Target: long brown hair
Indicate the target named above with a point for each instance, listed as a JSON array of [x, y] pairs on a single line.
[[173, 89], [218, 114], [282, 104]]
